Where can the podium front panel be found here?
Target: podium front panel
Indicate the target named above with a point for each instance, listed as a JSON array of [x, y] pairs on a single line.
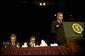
[[73, 30]]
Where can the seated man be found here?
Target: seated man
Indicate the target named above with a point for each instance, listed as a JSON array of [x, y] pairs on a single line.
[[32, 42], [13, 41]]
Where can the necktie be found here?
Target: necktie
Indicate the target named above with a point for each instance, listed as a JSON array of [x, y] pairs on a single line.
[[13, 43], [33, 45]]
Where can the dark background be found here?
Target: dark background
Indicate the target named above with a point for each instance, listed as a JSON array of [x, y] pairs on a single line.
[[26, 18]]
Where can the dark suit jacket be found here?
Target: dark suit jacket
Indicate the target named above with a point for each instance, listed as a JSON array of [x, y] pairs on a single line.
[[55, 24], [16, 43], [58, 30], [36, 43]]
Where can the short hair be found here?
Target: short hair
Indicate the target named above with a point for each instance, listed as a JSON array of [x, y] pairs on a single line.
[[13, 35], [32, 37], [59, 13]]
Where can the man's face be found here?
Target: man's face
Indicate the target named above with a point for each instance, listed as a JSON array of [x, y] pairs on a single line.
[[60, 17], [13, 39], [32, 40]]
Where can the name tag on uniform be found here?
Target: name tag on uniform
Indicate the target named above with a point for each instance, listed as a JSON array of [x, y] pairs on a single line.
[[57, 25]]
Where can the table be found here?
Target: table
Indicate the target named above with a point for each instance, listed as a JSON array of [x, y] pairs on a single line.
[[58, 50]]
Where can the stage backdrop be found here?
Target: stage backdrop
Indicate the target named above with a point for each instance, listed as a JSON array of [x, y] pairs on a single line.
[[73, 30]]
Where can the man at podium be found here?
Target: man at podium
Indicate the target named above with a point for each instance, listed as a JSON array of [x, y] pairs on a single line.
[[57, 29]]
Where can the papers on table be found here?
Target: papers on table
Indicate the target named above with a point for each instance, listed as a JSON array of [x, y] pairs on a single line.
[[55, 44], [25, 45], [43, 43]]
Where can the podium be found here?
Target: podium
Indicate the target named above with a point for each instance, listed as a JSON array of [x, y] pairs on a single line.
[[73, 30]]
